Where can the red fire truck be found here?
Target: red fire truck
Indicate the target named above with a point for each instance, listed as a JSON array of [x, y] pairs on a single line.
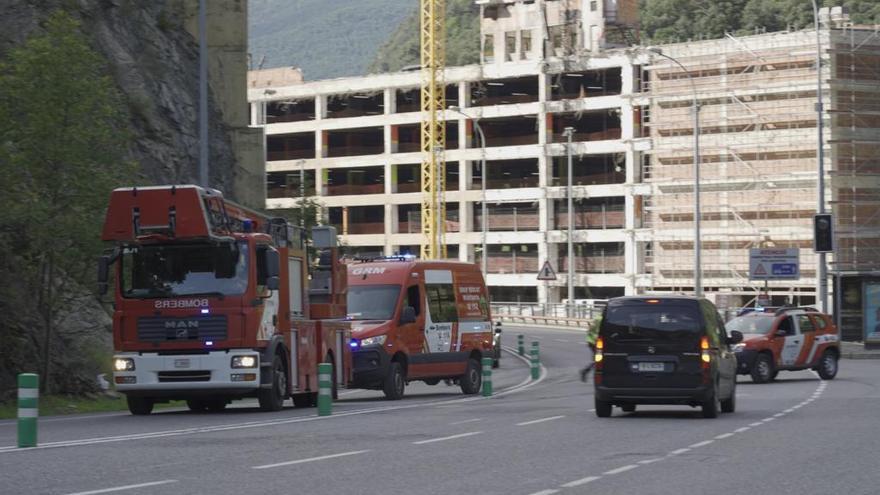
[[212, 302]]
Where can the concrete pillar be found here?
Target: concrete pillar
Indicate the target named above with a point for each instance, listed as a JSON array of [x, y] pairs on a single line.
[[389, 99]]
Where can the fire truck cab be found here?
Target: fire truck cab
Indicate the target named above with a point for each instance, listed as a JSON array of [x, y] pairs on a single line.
[[211, 303], [418, 320]]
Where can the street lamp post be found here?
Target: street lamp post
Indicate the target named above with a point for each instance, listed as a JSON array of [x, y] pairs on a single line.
[[698, 275], [821, 269], [484, 214], [568, 132]]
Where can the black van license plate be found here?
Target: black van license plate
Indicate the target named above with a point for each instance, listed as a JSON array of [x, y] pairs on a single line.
[[650, 367]]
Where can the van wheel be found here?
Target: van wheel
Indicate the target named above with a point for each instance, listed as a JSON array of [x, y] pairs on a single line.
[[394, 382], [762, 370], [628, 408], [711, 406], [196, 405], [139, 406], [472, 378], [272, 399], [828, 366], [729, 405], [603, 408]]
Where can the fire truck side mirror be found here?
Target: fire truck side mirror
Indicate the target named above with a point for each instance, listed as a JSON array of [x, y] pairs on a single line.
[[103, 274], [273, 269]]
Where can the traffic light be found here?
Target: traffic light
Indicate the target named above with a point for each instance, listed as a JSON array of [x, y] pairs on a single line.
[[823, 233]]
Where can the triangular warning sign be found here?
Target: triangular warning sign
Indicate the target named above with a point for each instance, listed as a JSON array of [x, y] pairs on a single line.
[[759, 270], [546, 272]]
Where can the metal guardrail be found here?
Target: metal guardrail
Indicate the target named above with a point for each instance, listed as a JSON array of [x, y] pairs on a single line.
[[559, 314]]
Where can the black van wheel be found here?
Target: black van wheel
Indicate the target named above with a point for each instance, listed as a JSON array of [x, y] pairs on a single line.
[[763, 370], [603, 408], [729, 405], [828, 366], [394, 382], [711, 406], [472, 378]]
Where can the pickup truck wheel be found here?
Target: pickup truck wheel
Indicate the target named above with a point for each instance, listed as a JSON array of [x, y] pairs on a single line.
[[828, 366], [140, 406], [762, 370], [272, 399], [603, 408], [394, 382], [472, 378]]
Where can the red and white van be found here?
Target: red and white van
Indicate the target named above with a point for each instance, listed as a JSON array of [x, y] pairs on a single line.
[[418, 320], [786, 339]]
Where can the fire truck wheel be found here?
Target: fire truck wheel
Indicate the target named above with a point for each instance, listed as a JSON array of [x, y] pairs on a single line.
[[272, 399], [472, 378], [394, 382], [828, 366], [140, 406], [196, 405], [762, 369], [216, 405]]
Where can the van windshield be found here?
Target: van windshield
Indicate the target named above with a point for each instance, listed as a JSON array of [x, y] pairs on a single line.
[[372, 302], [642, 322]]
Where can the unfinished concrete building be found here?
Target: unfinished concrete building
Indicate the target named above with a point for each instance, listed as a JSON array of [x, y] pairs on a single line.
[[355, 143]]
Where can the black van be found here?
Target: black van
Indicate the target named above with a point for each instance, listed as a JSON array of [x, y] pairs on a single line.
[[664, 350]]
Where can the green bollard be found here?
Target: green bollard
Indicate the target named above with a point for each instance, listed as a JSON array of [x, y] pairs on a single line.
[[487, 377], [536, 362], [28, 395], [520, 344], [325, 389]]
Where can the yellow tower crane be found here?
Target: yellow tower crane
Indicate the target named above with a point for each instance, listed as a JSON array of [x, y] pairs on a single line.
[[433, 58]]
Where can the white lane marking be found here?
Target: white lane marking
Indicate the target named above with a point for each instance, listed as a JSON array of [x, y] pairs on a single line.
[[779, 415], [679, 451], [582, 481], [621, 469], [650, 461], [534, 421], [310, 459], [723, 436], [467, 421], [525, 384], [756, 423], [451, 437], [562, 340], [126, 487], [545, 492], [700, 444], [740, 430], [767, 420]]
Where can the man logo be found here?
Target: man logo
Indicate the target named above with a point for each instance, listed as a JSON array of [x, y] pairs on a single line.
[[178, 324], [651, 349]]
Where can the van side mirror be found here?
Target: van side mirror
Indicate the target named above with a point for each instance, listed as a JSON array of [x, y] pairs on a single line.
[[735, 337], [408, 315], [103, 274], [272, 283], [780, 333]]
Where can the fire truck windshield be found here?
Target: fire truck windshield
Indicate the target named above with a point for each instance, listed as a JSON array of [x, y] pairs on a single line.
[[372, 302], [184, 270]]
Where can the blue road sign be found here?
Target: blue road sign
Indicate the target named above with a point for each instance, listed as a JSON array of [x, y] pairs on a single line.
[[784, 269]]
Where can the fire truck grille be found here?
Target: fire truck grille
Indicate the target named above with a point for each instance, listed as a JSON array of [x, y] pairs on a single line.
[[159, 329], [184, 376]]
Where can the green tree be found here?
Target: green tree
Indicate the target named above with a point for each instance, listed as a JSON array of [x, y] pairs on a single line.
[[62, 148]]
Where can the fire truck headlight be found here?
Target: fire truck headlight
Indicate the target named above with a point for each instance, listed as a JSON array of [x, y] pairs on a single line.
[[123, 364], [377, 340], [244, 361]]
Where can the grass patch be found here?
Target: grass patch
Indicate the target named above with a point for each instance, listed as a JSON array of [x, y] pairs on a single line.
[[59, 405]]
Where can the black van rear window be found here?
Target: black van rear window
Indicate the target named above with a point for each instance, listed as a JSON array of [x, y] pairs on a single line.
[[642, 321]]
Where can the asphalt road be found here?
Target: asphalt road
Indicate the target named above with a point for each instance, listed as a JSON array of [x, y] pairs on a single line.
[[799, 435]]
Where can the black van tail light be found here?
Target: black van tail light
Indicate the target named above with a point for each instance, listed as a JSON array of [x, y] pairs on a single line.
[[599, 355], [705, 361]]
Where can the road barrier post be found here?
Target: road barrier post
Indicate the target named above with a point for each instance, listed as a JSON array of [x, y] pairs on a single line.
[[487, 377], [325, 389], [536, 362], [28, 396], [520, 344]]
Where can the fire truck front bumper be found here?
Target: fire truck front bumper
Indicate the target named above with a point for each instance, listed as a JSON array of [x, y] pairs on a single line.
[[235, 372]]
